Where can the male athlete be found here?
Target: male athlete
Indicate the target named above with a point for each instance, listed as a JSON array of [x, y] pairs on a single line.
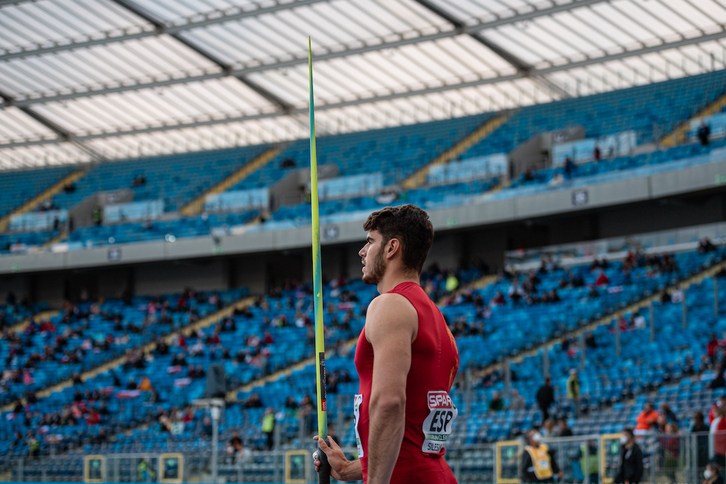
[[406, 359]]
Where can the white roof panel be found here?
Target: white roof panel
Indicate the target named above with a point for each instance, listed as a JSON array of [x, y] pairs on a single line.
[[133, 77]]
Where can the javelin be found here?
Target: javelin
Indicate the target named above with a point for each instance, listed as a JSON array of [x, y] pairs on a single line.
[[324, 473]]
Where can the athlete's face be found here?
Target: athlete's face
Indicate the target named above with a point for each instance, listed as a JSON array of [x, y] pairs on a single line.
[[373, 259]]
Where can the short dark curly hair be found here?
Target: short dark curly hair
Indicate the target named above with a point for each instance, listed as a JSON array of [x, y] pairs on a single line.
[[411, 226]]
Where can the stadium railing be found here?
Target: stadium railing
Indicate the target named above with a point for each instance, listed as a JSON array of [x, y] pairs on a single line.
[[680, 457]]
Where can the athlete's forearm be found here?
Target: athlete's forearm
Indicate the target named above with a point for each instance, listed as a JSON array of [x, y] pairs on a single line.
[[352, 472], [387, 424]]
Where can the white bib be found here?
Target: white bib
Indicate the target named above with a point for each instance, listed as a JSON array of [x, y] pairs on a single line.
[[439, 423]]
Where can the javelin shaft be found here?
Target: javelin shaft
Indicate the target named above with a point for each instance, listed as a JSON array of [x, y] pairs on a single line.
[[317, 272]]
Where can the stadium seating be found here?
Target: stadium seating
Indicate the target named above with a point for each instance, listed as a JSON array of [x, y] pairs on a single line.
[[158, 229], [664, 104], [607, 383], [175, 179], [89, 335], [291, 343], [19, 186], [669, 366], [395, 152], [505, 332]]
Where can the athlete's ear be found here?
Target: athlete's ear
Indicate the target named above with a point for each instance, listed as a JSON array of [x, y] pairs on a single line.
[[393, 247]]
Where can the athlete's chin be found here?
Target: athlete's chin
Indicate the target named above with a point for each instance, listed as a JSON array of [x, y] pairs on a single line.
[[368, 279]]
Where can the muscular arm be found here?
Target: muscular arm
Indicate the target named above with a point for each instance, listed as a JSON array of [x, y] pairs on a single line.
[[391, 328]]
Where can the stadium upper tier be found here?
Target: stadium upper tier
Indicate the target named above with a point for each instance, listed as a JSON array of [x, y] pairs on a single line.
[[650, 112], [176, 179], [19, 186]]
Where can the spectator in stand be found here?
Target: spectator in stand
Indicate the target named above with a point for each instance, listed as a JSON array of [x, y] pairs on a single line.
[[630, 470], [549, 430], [718, 434], [545, 398], [573, 390], [516, 293], [590, 341], [602, 279], [596, 153], [670, 444], [669, 415], [565, 430], [231, 447], [498, 299], [705, 246], [677, 295], [704, 133], [291, 405], [720, 403], [516, 402], [647, 419], [18, 441], [268, 427], [711, 347], [254, 401], [145, 384], [569, 167], [132, 384], [33, 445], [496, 404], [93, 417], [699, 427], [712, 474], [451, 282], [97, 216]]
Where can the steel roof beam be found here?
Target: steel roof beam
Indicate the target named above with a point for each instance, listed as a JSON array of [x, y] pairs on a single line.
[[62, 133], [143, 13], [174, 29], [388, 97], [521, 66], [210, 18], [245, 71]]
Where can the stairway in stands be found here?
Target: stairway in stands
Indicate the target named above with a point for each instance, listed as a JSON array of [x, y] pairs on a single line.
[[678, 136], [35, 202], [195, 206], [41, 316], [419, 177]]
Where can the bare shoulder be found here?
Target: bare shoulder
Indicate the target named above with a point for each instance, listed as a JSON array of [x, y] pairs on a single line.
[[389, 313]]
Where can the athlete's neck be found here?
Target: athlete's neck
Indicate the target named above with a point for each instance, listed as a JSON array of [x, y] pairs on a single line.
[[391, 279]]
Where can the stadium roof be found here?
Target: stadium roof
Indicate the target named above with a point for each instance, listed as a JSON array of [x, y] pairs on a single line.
[[84, 80]]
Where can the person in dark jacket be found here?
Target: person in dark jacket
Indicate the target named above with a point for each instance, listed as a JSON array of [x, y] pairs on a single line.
[[545, 398], [631, 460], [538, 462], [701, 429]]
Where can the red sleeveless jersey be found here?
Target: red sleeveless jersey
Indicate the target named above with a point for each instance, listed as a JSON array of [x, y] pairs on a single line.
[[430, 413]]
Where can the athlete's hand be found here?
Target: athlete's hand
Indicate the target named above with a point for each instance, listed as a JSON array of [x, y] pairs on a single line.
[[338, 463]]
